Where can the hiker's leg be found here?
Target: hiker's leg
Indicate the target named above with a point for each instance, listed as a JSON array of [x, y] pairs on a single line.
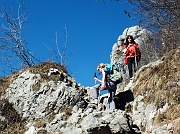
[[111, 94], [130, 67], [137, 60], [95, 91], [111, 103]]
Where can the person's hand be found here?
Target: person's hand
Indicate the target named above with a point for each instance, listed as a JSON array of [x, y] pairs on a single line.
[[124, 51], [95, 78], [102, 87]]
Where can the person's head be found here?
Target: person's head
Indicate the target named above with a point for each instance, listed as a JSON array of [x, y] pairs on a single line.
[[101, 66], [129, 39]]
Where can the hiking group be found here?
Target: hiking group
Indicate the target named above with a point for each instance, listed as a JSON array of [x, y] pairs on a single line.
[[111, 75]]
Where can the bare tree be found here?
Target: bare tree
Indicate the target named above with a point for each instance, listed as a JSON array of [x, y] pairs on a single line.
[[13, 45], [62, 52], [12, 40], [162, 17]]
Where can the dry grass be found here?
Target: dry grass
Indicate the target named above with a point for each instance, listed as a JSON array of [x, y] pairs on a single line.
[[39, 124], [172, 115], [13, 122], [159, 85], [5, 82], [68, 112], [176, 126], [16, 128], [41, 69]]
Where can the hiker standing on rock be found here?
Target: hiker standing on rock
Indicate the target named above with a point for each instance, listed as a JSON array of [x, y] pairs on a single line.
[[106, 83], [132, 54]]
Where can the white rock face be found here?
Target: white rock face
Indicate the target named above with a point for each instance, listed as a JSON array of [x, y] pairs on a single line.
[[36, 100]]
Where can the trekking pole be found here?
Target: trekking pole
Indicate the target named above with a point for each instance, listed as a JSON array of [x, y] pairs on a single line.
[[135, 58], [95, 76]]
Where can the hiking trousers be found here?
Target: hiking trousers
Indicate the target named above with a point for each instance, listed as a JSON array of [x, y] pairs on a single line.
[[111, 94], [95, 91], [131, 66], [111, 87]]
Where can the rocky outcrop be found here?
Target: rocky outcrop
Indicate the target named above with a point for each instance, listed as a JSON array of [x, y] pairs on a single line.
[[50, 101], [35, 98]]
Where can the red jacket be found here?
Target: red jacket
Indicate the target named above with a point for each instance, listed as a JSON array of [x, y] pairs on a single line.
[[132, 50]]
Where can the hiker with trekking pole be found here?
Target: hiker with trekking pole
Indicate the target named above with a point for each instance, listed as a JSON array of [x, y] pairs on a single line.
[[132, 55], [110, 79]]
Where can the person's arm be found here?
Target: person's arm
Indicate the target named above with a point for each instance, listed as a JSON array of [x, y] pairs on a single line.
[[103, 80], [125, 49], [137, 46], [96, 79]]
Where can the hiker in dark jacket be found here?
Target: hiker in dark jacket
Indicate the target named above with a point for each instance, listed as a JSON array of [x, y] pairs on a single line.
[[133, 54]]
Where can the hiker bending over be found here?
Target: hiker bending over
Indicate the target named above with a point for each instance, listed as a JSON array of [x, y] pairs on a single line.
[[132, 54], [105, 83]]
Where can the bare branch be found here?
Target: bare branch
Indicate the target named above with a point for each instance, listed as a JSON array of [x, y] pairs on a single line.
[[12, 38], [162, 17]]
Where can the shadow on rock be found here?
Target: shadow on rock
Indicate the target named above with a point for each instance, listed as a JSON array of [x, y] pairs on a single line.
[[123, 98], [101, 130]]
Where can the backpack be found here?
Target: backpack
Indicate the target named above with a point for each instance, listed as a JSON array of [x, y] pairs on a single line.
[[112, 74], [138, 53]]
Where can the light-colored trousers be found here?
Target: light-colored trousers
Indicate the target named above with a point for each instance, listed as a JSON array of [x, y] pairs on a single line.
[[111, 93]]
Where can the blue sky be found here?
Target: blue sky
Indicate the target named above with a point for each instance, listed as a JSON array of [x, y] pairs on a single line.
[[93, 29]]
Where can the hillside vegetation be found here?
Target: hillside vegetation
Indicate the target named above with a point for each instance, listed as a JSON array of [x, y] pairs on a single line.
[[160, 85]]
